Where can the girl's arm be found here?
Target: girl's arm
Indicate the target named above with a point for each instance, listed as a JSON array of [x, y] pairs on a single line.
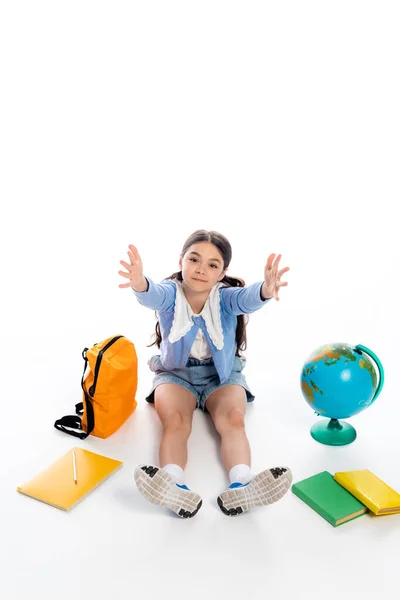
[[157, 296], [249, 299], [242, 301]]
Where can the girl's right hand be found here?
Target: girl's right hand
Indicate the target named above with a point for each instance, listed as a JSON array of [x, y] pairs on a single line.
[[134, 271]]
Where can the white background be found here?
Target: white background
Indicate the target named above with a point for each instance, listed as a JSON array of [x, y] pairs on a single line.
[[276, 124]]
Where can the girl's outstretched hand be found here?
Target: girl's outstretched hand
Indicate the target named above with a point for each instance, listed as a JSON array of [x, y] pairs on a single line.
[[134, 271], [272, 277]]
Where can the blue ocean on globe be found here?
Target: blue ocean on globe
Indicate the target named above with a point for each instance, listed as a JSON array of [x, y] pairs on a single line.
[[339, 381]]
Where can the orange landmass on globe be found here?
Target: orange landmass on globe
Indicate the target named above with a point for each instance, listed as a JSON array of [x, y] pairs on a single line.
[[307, 391], [326, 353]]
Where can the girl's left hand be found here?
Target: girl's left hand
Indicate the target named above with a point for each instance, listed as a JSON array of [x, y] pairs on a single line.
[[272, 277]]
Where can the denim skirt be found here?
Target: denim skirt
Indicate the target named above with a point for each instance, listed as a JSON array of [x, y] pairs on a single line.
[[199, 377]]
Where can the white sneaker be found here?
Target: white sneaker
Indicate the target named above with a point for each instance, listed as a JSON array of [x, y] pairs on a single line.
[[265, 488], [158, 487]]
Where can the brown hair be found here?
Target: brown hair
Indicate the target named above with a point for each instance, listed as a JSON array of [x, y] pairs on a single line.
[[223, 245]]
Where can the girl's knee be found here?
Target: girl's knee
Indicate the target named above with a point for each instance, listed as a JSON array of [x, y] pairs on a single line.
[[177, 423], [232, 419]]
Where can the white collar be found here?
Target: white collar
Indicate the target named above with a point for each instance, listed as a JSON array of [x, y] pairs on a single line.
[[183, 313]]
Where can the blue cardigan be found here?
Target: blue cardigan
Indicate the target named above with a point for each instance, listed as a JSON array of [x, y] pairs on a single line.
[[233, 301]]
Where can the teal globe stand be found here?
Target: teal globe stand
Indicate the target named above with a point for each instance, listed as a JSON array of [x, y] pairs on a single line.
[[334, 433]]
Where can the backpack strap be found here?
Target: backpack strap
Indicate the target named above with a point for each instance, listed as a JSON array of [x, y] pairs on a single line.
[[73, 422]]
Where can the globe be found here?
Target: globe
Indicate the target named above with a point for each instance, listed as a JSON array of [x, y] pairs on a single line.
[[338, 381]]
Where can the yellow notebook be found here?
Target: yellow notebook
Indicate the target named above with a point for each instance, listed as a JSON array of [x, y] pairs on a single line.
[[56, 484], [370, 490]]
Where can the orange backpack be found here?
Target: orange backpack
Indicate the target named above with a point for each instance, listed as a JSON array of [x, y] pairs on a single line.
[[108, 391]]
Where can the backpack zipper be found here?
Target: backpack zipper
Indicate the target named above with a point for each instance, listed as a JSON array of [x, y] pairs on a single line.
[[92, 388]]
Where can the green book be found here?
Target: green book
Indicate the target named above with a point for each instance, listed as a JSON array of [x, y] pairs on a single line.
[[329, 499]]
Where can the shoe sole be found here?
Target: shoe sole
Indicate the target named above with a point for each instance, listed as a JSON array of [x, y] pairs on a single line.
[[266, 488], [158, 487]]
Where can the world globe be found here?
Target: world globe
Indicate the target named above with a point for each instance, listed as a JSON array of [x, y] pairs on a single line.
[[338, 381]]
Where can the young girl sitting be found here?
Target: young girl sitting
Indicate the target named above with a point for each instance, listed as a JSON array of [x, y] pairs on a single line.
[[200, 333]]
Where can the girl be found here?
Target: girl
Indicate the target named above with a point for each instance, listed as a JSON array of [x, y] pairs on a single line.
[[200, 333]]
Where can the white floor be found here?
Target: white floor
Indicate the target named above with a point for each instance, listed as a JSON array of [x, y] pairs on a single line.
[[114, 544], [276, 124]]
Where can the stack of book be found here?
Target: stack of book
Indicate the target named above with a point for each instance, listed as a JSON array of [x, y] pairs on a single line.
[[347, 495]]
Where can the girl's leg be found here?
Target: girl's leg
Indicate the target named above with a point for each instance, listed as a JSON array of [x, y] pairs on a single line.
[[175, 406], [227, 407]]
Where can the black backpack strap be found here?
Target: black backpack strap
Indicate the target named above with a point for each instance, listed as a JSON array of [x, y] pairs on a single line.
[[73, 422]]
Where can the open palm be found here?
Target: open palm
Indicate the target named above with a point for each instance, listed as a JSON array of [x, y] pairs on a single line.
[[134, 269], [272, 276]]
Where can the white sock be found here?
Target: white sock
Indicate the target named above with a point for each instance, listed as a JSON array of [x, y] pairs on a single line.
[[175, 471], [240, 474]]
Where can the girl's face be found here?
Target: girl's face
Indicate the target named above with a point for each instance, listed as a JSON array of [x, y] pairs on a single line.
[[202, 266]]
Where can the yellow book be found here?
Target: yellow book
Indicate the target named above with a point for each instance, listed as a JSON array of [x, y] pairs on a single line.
[[370, 490], [69, 479]]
